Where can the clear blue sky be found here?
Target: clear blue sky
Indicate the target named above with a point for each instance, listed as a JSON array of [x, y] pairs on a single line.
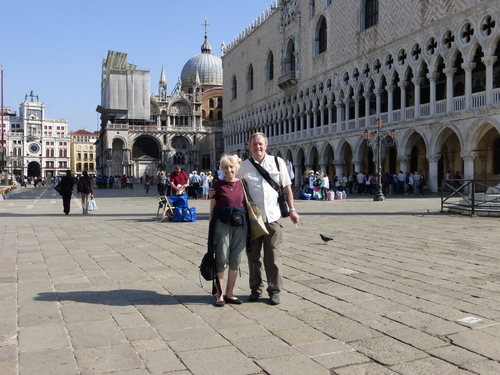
[[56, 47]]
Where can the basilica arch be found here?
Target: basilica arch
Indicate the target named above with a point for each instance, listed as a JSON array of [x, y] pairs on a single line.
[[146, 155]]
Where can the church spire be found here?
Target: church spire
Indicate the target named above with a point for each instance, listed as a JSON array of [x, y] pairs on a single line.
[[197, 80], [163, 80], [162, 86]]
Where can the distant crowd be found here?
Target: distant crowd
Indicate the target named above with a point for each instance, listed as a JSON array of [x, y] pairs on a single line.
[[318, 184]]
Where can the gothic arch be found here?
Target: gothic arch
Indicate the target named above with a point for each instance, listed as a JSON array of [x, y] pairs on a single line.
[[289, 63], [440, 132], [475, 130], [117, 137]]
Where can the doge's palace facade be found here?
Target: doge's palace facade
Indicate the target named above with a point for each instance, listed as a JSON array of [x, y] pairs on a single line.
[[314, 75]]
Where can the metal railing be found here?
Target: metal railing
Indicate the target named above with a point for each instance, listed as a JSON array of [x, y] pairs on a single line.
[[471, 197]]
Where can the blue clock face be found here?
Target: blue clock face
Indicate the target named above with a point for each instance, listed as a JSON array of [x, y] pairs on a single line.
[[34, 148]]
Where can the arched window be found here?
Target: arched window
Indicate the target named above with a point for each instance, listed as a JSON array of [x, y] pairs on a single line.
[[179, 158], [270, 67], [219, 102], [370, 13], [321, 37], [211, 103], [290, 57], [211, 115], [234, 88], [250, 78]]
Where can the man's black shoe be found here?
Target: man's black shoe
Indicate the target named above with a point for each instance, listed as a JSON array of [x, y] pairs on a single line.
[[254, 297]]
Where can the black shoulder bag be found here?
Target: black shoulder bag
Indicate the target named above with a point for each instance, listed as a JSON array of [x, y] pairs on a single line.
[[282, 198]]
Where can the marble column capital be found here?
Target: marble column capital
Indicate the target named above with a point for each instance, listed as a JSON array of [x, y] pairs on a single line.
[[433, 157], [489, 60], [468, 155], [450, 72], [468, 66], [339, 163]]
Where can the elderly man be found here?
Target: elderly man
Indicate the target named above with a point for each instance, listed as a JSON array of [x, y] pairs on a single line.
[[262, 193]]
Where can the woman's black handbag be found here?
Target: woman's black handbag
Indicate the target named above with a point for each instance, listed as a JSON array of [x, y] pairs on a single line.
[[208, 268]]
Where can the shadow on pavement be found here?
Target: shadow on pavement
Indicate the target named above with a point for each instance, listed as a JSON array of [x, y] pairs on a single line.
[[358, 213], [124, 297]]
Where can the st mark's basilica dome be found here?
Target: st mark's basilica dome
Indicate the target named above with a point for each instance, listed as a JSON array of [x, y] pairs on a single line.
[[209, 68]]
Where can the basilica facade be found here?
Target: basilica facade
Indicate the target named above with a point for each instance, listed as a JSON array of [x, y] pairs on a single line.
[[316, 76], [142, 133]]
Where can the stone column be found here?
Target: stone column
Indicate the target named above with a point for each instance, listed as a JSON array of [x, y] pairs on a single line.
[[308, 119], [468, 157], [346, 105], [450, 72], [330, 113], [367, 97], [302, 121], [338, 104], [358, 165], [468, 83], [390, 101], [324, 167], [416, 82], [403, 85], [322, 112], [355, 98], [298, 175], [488, 62], [432, 178], [378, 102], [432, 102], [403, 163], [339, 167]]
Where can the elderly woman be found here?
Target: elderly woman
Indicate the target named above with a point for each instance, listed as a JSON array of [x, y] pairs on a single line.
[[228, 227]]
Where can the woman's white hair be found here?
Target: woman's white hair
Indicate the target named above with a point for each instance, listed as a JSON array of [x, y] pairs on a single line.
[[230, 159]]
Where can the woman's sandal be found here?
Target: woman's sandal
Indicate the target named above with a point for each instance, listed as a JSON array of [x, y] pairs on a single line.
[[219, 303], [233, 301]]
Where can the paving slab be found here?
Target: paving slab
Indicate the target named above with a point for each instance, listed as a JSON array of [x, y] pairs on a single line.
[[402, 289]]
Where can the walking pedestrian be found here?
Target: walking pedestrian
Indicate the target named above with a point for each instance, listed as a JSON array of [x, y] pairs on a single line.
[[85, 190], [66, 186]]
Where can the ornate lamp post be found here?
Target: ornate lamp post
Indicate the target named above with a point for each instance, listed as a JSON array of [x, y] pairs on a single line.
[[246, 152], [375, 141]]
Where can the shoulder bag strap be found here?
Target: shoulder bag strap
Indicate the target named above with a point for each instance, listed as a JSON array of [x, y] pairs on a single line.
[[266, 176]]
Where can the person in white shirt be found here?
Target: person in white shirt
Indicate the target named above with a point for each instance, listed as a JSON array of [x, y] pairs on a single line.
[[263, 194], [326, 186], [361, 182]]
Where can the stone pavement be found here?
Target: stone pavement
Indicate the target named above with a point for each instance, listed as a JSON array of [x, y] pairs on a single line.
[[402, 289]]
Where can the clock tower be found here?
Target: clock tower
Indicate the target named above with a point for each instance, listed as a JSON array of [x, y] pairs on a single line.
[[38, 147]]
